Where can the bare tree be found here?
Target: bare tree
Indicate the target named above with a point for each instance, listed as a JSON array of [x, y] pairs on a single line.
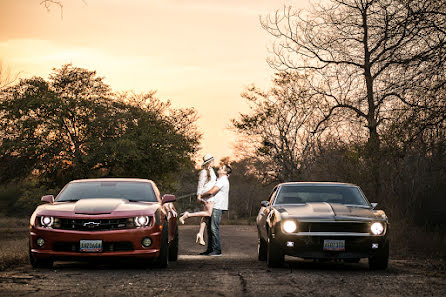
[[7, 78], [48, 4], [278, 128], [368, 59]]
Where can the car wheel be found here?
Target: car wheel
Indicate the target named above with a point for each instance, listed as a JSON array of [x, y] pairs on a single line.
[[40, 263], [380, 260], [274, 254], [173, 247], [163, 259], [262, 249]]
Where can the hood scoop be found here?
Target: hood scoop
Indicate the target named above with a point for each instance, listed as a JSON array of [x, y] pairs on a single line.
[[97, 206], [357, 212], [322, 208], [328, 211]]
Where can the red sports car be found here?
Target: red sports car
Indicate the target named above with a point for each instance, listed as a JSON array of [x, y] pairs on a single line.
[[100, 218]]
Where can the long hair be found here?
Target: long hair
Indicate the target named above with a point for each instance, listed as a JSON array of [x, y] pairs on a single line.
[[207, 167]]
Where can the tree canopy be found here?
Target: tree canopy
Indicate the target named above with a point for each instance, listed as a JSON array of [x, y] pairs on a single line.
[[74, 126], [279, 126], [371, 60]]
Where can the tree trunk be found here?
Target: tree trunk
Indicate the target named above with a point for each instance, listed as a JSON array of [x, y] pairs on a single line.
[[373, 143]]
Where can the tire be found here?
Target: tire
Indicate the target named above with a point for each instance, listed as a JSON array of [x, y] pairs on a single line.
[[275, 256], [380, 261], [163, 259], [262, 249], [40, 263], [173, 247]]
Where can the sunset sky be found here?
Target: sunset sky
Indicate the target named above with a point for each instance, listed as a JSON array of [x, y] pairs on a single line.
[[197, 53]]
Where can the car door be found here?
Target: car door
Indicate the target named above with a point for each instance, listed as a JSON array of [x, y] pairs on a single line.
[[263, 215]]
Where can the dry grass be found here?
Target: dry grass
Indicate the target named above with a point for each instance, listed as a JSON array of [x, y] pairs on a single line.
[[13, 252], [409, 241], [13, 242]]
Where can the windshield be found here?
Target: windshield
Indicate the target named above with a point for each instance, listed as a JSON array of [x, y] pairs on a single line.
[[134, 191], [296, 194]]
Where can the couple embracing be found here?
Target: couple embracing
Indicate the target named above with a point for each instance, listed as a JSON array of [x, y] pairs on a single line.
[[213, 193]]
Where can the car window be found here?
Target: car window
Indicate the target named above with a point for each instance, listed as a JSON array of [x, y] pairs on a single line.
[[273, 194], [297, 194], [135, 191]]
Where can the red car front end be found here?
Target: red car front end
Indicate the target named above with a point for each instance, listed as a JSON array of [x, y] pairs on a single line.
[[102, 228], [66, 241]]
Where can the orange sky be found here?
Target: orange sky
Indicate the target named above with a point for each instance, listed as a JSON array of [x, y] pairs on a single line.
[[197, 53]]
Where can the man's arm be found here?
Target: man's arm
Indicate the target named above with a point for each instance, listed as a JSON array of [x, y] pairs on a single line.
[[211, 192]]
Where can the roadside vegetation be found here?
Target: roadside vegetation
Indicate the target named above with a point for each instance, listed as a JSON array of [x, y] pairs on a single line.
[[13, 241]]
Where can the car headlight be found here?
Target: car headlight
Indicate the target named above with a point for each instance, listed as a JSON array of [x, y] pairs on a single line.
[[289, 226], [46, 221], [377, 228], [142, 221]]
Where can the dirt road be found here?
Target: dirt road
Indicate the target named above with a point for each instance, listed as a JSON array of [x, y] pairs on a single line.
[[237, 273]]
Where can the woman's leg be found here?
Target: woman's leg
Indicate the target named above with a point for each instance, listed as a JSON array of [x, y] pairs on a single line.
[[200, 236], [202, 226], [208, 207], [205, 213]]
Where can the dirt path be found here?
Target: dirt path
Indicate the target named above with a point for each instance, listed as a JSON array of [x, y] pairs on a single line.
[[237, 273]]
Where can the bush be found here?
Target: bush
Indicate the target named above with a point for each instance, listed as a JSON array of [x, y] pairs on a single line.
[[20, 199]]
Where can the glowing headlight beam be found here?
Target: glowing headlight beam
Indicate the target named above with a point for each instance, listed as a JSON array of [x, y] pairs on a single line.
[[46, 221], [377, 228], [289, 226], [141, 221]]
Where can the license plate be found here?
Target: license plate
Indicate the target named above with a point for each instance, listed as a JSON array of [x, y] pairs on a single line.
[[90, 246], [334, 245]]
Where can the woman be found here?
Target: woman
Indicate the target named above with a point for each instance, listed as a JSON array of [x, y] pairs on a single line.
[[206, 181]]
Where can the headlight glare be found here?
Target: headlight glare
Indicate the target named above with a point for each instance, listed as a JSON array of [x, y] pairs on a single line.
[[289, 226], [377, 228], [141, 221], [46, 221]]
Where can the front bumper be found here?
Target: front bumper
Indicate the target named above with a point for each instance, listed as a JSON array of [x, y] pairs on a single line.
[[312, 246], [64, 244]]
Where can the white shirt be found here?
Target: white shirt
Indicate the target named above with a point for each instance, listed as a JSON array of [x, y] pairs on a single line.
[[205, 184], [221, 199]]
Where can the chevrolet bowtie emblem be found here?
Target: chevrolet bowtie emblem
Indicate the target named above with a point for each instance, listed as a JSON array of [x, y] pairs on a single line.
[[91, 224]]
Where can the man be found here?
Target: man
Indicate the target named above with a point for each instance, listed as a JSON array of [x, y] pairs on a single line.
[[221, 199]]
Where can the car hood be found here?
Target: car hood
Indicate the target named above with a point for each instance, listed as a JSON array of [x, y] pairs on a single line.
[[329, 211], [98, 207]]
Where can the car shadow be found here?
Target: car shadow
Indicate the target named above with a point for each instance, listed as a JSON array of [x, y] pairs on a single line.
[[298, 264], [124, 264]]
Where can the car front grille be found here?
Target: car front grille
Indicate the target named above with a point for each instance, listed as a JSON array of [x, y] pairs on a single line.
[[350, 227], [119, 246], [95, 224]]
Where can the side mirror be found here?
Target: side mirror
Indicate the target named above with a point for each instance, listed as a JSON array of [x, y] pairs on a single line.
[[374, 205], [48, 198], [264, 203], [167, 198]]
